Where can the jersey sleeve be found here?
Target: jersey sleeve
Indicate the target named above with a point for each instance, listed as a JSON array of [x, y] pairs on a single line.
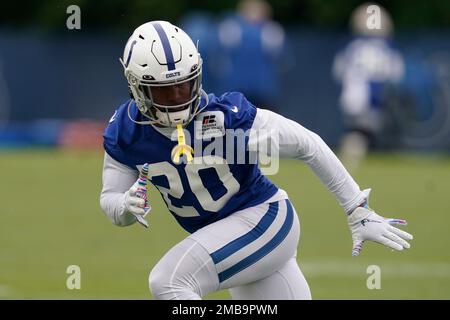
[[290, 139], [110, 137], [120, 134]]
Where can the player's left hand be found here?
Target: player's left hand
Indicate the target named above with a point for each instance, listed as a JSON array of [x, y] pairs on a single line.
[[366, 224]]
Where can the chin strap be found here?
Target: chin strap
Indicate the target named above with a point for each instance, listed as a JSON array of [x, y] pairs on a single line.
[[182, 147], [139, 122], [153, 121]]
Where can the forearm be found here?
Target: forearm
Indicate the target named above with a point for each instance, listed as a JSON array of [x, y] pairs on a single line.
[[112, 204], [117, 179], [324, 163]]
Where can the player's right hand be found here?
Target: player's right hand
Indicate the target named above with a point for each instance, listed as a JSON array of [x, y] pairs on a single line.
[[134, 203], [135, 200]]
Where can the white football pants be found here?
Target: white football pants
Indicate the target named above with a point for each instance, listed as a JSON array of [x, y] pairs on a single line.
[[251, 252]]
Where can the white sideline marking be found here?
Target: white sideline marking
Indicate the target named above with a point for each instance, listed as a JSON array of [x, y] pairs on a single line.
[[340, 268]]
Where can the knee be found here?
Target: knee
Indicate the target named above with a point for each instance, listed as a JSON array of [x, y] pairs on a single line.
[[166, 285], [178, 274], [158, 282]]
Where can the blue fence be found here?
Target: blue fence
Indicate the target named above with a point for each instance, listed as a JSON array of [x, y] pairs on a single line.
[[77, 75]]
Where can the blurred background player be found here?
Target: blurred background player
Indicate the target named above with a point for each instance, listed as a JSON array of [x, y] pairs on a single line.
[[364, 68], [252, 51]]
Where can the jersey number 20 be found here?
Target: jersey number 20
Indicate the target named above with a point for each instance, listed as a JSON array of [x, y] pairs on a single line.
[[205, 199]]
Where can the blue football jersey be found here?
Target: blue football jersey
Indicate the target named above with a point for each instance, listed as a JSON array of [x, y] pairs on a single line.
[[201, 192]]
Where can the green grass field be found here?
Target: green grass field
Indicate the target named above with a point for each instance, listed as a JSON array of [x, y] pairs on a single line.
[[50, 218]]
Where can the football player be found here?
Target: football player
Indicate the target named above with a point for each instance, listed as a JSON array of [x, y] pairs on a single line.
[[366, 68], [243, 229]]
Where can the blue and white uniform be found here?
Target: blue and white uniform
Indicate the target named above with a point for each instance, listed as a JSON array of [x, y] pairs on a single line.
[[364, 68], [225, 188], [244, 230]]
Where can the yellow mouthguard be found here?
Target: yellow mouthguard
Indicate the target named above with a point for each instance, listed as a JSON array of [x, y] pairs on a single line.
[[182, 147]]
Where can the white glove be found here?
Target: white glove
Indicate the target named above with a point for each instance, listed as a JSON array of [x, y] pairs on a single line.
[[135, 199], [366, 224]]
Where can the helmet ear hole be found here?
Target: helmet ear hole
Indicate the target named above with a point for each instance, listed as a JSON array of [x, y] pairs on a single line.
[[142, 109]]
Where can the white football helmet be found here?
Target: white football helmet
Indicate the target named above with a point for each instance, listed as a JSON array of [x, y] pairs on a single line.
[[163, 68]]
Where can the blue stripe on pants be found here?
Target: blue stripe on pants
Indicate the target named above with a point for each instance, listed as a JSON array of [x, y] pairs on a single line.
[[247, 238], [263, 251]]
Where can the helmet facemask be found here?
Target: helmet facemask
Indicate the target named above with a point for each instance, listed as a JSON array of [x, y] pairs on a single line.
[[168, 103]]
